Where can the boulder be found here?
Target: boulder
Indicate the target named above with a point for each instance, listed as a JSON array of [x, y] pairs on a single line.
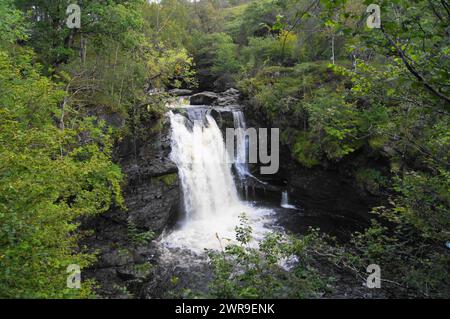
[[228, 98], [204, 98], [232, 91], [180, 92]]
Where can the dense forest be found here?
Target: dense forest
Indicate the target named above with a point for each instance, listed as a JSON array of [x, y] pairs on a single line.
[[372, 103]]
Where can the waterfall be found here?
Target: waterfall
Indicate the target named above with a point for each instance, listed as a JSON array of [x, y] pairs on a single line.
[[285, 201], [241, 159], [210, 197], [206, 178]]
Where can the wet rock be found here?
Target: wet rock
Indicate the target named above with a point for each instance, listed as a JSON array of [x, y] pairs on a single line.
[[110, 285], [223, 118], [204, 98], [228, 98], [177, 272], [232, 91], [153, 91], [134, 272], [114, 258], [180, 92], [389, 151], [152, 190]]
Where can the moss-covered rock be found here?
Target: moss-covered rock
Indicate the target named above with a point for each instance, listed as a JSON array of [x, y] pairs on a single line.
[[169, 179]]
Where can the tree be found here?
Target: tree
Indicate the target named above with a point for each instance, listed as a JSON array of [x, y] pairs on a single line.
[[101, 22], [49, 178]]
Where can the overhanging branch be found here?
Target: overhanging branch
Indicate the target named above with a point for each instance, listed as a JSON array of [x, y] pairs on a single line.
[[411, 68]]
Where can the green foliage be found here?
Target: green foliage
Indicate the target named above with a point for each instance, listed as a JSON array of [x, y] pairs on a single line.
[[114, 56], [245, 271], [12, 25], [333, 122], [402, 87], [412, 263], [423, 203], [136, 237], [50, 177], [384, 97], [169, 179], [305, 151], [56, 163], [407, 240], [315, 96], [225, 60], [101, 24], [122, 291], [390, 101], [215, 56], [257, 19], [233, 17], [168, 22], [270, 50], [371, 179]]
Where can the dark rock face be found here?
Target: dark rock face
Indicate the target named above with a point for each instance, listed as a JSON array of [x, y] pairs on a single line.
[[152, 198], [228, 98], [327, 196], [204, 98], [191, 271], [152, 190]]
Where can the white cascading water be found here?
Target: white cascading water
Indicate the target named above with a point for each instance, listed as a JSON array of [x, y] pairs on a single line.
[[210, 196], [242, 146], [241, 157], [285, 201]]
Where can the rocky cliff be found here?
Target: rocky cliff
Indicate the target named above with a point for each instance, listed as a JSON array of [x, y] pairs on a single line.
[[151, 191]]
